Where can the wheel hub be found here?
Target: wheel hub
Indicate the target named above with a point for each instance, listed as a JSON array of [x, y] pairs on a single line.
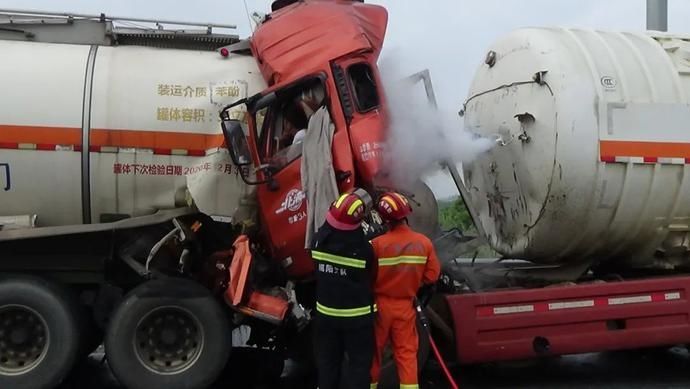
[[19, 336], [168, 340], [23, 339]]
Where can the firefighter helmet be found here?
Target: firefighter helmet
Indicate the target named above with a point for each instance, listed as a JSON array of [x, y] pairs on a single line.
[[393, 206], [347, 212]]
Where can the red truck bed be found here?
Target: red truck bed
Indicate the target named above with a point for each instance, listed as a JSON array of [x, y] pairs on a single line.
[[517, 324]]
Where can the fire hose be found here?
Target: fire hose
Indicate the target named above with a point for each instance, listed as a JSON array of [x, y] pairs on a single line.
[[425, 323]]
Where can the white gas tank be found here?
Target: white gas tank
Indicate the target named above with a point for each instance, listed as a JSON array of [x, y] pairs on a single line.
[[592, 135], [91, 133]]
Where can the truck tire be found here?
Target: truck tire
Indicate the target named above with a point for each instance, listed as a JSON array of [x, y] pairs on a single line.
[[39, 333], [168, 333]]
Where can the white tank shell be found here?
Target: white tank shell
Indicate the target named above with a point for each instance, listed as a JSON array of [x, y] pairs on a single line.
[[597, 167], [151, 97]]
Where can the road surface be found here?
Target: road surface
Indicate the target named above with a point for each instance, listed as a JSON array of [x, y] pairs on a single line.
[[610, 370]]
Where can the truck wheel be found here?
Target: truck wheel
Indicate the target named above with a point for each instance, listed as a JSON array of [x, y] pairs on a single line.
[[168, 334], [388, 378], [39, 337]]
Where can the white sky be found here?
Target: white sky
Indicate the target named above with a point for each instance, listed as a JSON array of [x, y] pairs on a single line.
[[449, 37]]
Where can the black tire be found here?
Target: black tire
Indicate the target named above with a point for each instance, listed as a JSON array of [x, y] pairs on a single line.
[[39, 320], [388, 378], [168, 334]]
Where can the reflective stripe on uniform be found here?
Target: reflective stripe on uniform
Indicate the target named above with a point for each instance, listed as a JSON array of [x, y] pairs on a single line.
[[340, 200], [390, 202], [347, 312], [374, 385], [354, 207], [403, 259], [402, 199], [409, 386], [338, 260]]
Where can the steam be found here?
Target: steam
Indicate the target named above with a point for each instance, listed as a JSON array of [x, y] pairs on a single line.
[[420, 135]]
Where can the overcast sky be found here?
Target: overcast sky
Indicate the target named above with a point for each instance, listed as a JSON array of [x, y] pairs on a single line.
[[449, 37]]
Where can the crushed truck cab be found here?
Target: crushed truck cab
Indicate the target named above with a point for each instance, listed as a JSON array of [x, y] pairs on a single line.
[[327, 60]]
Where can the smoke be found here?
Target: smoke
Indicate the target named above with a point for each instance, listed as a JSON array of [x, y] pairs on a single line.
[[421, 136]]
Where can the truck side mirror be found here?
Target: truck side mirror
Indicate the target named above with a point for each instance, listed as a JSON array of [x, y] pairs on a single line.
[[236, 142]]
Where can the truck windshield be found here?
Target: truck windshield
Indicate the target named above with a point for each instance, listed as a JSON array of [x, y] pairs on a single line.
[[287, 122]]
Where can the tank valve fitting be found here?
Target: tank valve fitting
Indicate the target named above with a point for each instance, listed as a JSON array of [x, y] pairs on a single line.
[[502, 142], [490, 58]]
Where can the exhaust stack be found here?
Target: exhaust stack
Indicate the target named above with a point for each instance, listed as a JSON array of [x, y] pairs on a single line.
[[657, 15]]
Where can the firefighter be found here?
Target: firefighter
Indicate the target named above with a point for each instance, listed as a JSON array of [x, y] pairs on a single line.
[[344, 296], [406, 262]]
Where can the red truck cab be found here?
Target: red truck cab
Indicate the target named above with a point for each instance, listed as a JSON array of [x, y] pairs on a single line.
[[312, 53]]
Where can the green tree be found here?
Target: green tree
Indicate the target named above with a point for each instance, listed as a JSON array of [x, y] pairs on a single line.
[[454, 214]]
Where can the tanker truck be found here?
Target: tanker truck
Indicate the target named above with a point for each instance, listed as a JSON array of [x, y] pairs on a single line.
[[124, 217], [585, 196], [155, 202]]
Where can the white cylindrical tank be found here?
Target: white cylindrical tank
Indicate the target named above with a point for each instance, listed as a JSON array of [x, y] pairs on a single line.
[[592, 147], [91, 133]]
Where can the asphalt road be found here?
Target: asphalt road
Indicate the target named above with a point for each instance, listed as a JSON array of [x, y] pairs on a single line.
[[611, 370]]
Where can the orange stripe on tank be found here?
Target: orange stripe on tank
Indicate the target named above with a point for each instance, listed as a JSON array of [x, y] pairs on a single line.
[[154, 139], [40, 134], [101, 137], [615, 148]]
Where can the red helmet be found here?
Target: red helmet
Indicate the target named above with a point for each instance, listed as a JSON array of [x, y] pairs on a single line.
[[347, 212], [393, 206]]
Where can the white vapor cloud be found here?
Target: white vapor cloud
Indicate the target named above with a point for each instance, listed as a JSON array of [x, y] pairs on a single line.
[[420, 136]]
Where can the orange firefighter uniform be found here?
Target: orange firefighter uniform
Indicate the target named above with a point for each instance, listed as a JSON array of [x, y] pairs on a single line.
[[406, 261]]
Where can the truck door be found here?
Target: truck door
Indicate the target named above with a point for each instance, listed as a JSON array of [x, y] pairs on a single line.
[[360, 94], [283, 204]]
